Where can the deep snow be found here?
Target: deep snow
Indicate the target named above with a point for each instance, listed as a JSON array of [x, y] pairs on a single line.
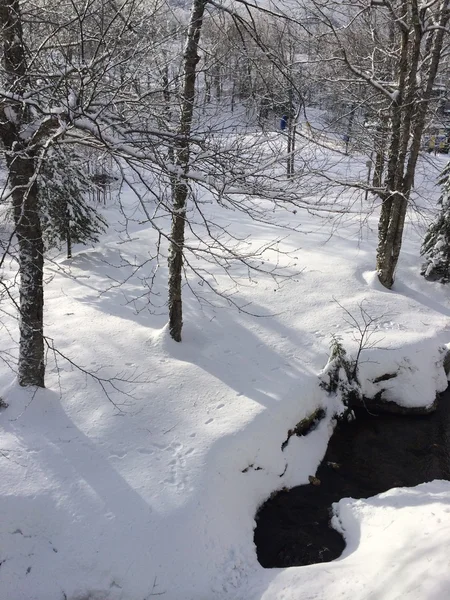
[[159, 497]]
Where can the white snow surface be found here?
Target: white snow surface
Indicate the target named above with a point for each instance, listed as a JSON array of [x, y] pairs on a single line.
[[160, 496]]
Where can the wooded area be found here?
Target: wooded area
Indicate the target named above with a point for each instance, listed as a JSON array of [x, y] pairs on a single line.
[[141, 95]]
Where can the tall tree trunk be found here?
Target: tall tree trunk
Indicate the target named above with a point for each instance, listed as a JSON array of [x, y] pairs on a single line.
[[380, 152], [181, 188], [385, 265], [21, 166], [68, 235], [31, 368], [168, 114], [407, 125], [348, 135], [290, 134], [388, 252], [233, 96]]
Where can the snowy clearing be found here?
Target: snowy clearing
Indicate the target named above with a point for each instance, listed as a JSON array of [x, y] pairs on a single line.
[[159, 497]]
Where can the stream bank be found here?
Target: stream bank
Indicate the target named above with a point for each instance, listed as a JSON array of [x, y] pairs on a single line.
[[365, 457]]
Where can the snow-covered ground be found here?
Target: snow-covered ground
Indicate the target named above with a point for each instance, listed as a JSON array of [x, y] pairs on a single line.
[[157, 495]]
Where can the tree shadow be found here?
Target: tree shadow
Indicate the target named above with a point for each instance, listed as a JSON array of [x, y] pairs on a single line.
[[75, 508], [421, 298]]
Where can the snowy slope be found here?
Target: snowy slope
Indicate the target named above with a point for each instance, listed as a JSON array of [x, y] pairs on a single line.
[[156, 493]]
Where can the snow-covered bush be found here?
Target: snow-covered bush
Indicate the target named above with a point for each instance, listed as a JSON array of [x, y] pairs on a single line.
[[340, 375], [436, 243]]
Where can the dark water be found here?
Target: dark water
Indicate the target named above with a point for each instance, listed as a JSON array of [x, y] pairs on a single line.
[[365, 457]]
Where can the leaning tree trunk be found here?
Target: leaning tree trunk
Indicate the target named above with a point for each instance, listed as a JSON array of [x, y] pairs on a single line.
[[21, 167], [181, 188]]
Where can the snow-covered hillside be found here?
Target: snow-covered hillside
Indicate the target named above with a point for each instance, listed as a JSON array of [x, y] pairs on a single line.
[[152, 487]]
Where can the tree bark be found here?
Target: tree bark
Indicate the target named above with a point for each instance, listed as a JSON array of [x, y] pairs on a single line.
[[68, 236], [181, 188], [31, 367], [380, 151], [408, 121], [290, 135], [21, 165]]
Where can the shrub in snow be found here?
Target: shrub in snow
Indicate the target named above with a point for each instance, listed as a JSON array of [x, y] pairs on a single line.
[[66, 214], [340, 375], [436, 243]]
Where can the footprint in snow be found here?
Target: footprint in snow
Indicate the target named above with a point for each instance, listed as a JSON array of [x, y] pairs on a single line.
[[177, 474]]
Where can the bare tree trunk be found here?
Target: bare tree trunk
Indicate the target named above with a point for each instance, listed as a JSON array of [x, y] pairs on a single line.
[[290, 134], [218, 82], [68, 236], [388, 252], [181, 189], [293, 135], [21, 166], [289, 147], [385, 265], [348, 135], [380, 152], [31, 368], [408, 122], [233, 96], [168, 114], [207, 98]]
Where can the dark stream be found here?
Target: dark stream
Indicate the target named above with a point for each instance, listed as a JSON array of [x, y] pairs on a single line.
[[365, 457]]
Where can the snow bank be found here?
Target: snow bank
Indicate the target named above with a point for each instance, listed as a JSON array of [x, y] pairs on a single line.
[[398, 545], [417, 372]]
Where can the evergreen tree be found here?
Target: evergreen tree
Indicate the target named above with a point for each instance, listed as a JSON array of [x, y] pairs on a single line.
[[436, 243], [66, 214]]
